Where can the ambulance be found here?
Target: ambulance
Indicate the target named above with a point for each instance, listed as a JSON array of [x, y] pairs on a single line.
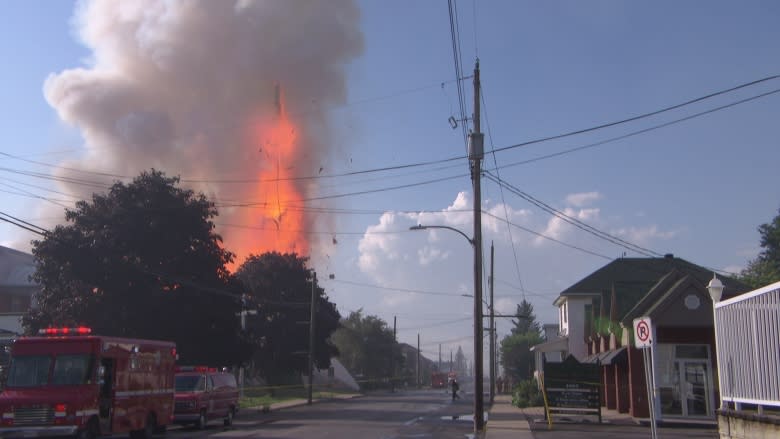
[[68, 382]]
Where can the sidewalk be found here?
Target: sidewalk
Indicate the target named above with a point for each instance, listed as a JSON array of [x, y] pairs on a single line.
[[506, 421]]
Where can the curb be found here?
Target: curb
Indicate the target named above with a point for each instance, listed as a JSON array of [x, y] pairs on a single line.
[[296, 403]]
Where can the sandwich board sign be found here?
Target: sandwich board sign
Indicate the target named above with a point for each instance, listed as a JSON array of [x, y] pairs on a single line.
[[643, 332]]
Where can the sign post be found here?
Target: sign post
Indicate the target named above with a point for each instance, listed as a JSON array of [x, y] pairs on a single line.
[[643, 339]]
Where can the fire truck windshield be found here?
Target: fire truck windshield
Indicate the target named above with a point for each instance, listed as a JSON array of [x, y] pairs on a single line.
[[29, 371], [33, 370], [190, 383]]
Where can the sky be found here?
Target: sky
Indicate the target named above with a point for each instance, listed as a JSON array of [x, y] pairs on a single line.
[[98, 91]]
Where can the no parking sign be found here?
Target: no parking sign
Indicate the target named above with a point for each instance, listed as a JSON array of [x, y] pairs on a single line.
[[643, 332]]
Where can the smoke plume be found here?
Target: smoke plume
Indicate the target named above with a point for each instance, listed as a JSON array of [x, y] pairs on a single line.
[[184, 86]]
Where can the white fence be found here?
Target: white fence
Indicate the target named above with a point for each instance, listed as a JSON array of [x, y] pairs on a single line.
[[748, 345]]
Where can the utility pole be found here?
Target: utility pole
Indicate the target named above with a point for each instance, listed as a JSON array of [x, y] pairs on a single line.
[[418, 360], [312, 327], [476, 153], [492, 331], [451, 365], [439, 357], [392, 359]]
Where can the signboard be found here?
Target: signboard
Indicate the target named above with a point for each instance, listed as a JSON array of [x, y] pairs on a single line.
[[643, 332], [571, 386]]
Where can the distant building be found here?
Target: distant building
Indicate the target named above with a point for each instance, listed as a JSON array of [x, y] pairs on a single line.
[[17, 291], [596, 322], [412, 369]]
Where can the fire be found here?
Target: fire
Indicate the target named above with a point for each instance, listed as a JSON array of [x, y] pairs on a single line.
[[276, 220]]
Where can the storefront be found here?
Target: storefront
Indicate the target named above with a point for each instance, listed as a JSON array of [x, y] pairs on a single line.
[[685, 380]]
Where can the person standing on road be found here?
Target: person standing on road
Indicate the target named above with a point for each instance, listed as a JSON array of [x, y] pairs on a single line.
[[455, 388]]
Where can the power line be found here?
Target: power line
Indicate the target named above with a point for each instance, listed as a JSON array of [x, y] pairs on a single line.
[[503, 200], [549, 238], [440, 161], [574, 221], [633, 133], [398, 290]]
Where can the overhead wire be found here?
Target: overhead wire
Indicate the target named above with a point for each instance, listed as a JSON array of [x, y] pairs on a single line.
[[450, 159], [456, 55], [549, 238], [503, 199], [574, 221]]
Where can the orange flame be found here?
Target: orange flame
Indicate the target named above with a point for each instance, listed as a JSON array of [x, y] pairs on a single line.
[[276, 222]]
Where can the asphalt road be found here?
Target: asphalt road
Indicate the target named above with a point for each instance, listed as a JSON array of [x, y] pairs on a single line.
[[410, 414]]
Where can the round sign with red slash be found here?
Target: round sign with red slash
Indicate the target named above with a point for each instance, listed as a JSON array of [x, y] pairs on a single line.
[[643, 333]]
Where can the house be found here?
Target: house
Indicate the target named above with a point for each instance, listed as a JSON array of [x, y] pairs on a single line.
[[416, 368], [596, 321], [17, 291]]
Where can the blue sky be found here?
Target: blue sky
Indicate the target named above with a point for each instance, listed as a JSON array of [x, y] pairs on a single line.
[[697, 189]]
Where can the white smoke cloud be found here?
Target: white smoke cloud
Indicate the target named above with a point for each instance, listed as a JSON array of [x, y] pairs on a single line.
[[174, 85]]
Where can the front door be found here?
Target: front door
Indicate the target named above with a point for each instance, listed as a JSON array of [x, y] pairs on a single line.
[[694, 388]]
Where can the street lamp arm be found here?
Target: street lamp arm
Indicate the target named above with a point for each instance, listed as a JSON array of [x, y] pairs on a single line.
[[422, 227]]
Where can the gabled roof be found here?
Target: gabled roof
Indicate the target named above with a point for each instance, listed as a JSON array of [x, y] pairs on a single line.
[[633, 279]]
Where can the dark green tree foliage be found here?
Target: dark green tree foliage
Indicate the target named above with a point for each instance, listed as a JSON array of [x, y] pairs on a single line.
[[279, 287], [366, 344], [765, 269], [516, 357], [142, 261], [526, 319]]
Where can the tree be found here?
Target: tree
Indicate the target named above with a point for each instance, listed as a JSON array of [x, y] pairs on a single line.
[[526, 319], [367, 347], [128, 260], [461, 366], [280, 286], [765, 269], [516, 356]]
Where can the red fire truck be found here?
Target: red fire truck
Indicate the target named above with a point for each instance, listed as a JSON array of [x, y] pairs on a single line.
[[69, 382], [439, 380]]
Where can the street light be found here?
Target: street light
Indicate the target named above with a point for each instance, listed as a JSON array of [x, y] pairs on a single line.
[[715, 287], [478, 396]]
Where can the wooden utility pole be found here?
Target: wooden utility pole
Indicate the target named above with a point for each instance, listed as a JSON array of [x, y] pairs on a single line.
[[418, 360], [476, 153], [312, 328], [492, 330], [392, 358]]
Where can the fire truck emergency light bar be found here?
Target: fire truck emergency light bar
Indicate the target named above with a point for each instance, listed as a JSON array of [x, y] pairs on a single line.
[[81, 330]]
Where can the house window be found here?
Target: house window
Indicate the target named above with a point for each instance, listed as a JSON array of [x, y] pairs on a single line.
[[564, 312]]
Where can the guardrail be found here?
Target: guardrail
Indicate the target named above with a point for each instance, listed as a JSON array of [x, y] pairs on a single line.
[[748, 345]]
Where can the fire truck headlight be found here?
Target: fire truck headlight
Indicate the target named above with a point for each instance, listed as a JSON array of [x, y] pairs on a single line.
[[7, 419]]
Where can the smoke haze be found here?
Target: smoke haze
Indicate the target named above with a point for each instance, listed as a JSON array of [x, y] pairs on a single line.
[[181, 85]]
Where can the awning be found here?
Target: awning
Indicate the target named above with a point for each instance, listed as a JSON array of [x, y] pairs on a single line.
[[556, 345], [607, 358]]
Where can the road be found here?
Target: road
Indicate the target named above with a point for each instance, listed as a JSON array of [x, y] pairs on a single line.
[[412, 414]]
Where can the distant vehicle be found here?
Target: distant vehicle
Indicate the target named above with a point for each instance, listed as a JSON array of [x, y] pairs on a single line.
[[204, 394], [68, 382], [439, 380]]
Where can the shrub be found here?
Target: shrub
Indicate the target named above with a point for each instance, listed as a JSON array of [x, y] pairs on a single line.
[[527, 394]]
